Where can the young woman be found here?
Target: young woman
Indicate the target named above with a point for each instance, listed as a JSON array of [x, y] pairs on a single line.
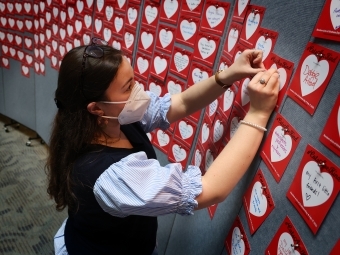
[[103, 168]]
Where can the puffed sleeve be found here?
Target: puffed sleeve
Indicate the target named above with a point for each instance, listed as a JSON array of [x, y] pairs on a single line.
[[137, 185]]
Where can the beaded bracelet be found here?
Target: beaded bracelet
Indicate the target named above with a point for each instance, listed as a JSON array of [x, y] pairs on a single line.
[[253, 125]]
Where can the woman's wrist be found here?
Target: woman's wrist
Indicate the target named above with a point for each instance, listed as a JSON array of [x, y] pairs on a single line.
[[227, 77], [257, 118]]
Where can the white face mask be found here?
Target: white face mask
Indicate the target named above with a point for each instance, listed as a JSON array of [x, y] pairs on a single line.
[[134, 108]]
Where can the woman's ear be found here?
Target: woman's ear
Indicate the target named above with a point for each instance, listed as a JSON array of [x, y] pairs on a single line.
[[95, 109]]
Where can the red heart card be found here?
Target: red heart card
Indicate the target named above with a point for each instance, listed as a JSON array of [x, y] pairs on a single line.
[[4, 23], [181, 59], [99, 8], [258, 202], [328, 24], [48, 50], [118, 23], [242, 97], [70, 30], [198, 72], [156, 86], [160, 65], [185, 131], [28, 25], [218, 131], [236, 241], [162, 140], [315, 187], [178, 153], [28, 60], [165, 38], [312, 76], [5, 62], [129, 40], [265, 40], [132, 15], [117, 43], [173, 85], [329, 137], [240, 10], [147, 39], [106, 32], [150, 14], [87, 22], [212, 110], [55, 44], [25, 71], [226, 100], [192, 8], [108, 11], [224, 63], [204, 135], [54, 62], [197, 158], [252, 23], [11, 23], [89, 5], [206, 48], [27, 8], [62, 16], [233, 36], [236, 116], [78, 26], [55, 12], [285, 69], [280, 146], [169, 11], [140, 81], [210, 153], [142, 65], [48, 34], [188, 30], [98, 25], [215, 14]]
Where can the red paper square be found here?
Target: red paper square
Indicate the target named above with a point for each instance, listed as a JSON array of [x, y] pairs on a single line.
[[258, 202], [142, 65], [28, 60], [178, 153], [280, 146], [233, 36], [242, 97], [160, 65], [55, 62], [174, 86], [204, 135], [100, 7], [108, 11], [185, 131], [214, 17], [206, 48], [169, 11], [118, 23], [226, 100], [156, 86], [132, 15], [27, 8], [212, 110], [240, 10], [147, 40], [192, 8], [117, 43], [197, 158], [198, 72], [87, 22], [236, 116], [218, 131], [312, 76], [236, 241], [5, 62], [25, 71], [12, 23], [150, 14], [140, 81], [265, 40], [165, 38], [329, 137], [28, 24], [181, 59], [314, 188], [286, 239], [162, 140], [188, 30], [129, 40]]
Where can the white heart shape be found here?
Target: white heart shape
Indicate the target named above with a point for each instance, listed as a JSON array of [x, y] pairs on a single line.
[[179, 153], [27, 7], [78, 25], [312, 74], [206, 47], [98, 25], [232, 39], [28, 24], [107, 34], [29, 59], [18, 7], [132, 15], [265, 45], [234, 124], [42, 67], [5, 61], [142, 64], [198, 75], [170, 7], [20, 24], [244, 93], [228, 99], [198, 158], [214, 15], [181, 61], [209, 159], [218, 131], [192, 4], [100, 5], [88, 21], [174, 88], [48, 50], [334, 13], [116, 45], [147, 39], [89, 3], [165, 37], [241, 6], [286, 245], [118, 23], [281, 145], [128, 39], [70, 11], [20, 54], [25, 69], [258, 202], [185, 129], [237, 243], [205, 133], [121, 3], [253, 21], [283, 75], [316, 186], [109, 12], [153, 87], [188, 29], [150, 13], [163, 138], [160, 64], [213, 107]]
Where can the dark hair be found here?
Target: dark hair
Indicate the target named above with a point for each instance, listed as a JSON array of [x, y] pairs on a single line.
[[74, 127]]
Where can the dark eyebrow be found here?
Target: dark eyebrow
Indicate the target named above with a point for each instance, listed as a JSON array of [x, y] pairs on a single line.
[[127, 82]]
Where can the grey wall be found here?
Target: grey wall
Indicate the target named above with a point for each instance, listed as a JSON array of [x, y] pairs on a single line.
[[30, 102]]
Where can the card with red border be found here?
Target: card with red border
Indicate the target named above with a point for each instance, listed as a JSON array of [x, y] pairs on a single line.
[[165, 38], [240, 10], [258, 202], [185, 131], [329, 137], [140, 81], [178, 153], [328, 24], [169, 11], [280, 146], [25, 71], [226, 100], [233, 36], [210, 153], [89, 5], [121, 5], [204, 135], [106, 32], [218, 130], [239, 48], [242, 96], [314, 188], [180, 62], [224, 63], [212, 110], [54, 62], [214, 17], [129, 40], [142, 65], [312, 76], [156, 86], [27, 8], [160, 65], [117, 43], [336, 248], [132, 15], [198, 72], [118, 23], [252, 23], [173, 85], [99, 7], [150, 14], [162, 140], [197, 157], [28, 25], [286, 240], [5, 62], [98, 25], [236, 241], [265, 40], [206, 48], [28, 60], [146, 40], [285, 69], [188, 30], [192, 8], [235, 117], [108, 11]]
